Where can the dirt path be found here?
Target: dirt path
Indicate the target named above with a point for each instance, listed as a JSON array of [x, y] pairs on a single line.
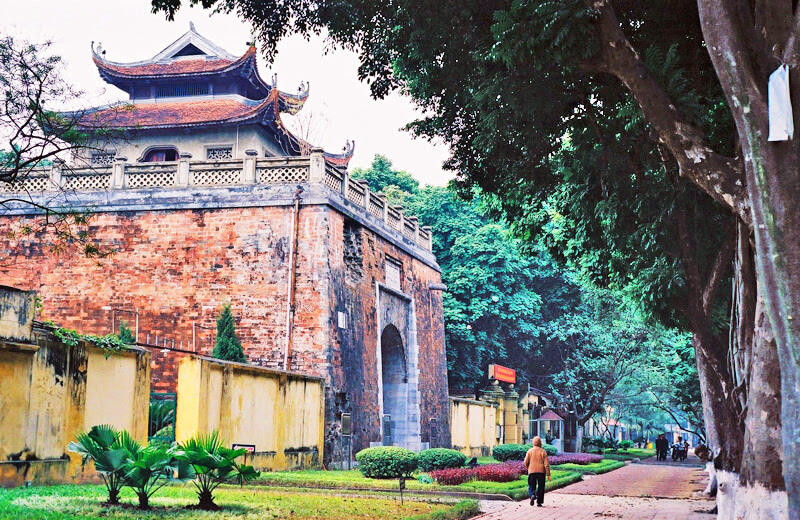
[[643, 491]]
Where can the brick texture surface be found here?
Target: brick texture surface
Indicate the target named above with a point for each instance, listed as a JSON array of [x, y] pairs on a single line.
[[355, 375], [177, 268]]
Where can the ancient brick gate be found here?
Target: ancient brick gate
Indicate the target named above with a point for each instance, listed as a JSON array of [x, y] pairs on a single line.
[[398, 358]]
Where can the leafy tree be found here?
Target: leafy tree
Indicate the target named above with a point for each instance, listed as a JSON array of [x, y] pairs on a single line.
[[228, 347], [601, 345], [33, 87], [380, 175], [499, 298], [125, 333]]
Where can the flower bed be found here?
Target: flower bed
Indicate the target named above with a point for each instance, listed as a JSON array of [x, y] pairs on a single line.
[[575, 458], [505, 472]]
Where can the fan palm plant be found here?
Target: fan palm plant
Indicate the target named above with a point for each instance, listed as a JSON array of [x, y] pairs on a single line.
[[108, 448], [149, 468], [213, 464]]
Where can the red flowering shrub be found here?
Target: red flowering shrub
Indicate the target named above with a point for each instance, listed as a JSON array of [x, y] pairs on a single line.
[[505, 472], [575, 458], [453, 477]]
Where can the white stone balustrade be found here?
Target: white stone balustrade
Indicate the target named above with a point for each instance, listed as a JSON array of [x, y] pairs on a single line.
[[123, 175]]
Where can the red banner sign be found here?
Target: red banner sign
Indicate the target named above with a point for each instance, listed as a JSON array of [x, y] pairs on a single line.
[[502, 373]]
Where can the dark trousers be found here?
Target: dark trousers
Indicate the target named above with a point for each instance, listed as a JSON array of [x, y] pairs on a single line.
[[536, 486]]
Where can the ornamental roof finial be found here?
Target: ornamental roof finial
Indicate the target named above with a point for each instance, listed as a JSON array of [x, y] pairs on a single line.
[[191, 26]]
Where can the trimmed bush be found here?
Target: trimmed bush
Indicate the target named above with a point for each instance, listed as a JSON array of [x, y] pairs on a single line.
[[504, 452], [440, 458], [625, 445], [506, 472], [386, 462]]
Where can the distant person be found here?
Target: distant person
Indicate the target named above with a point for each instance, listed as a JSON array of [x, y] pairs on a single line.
[[538, 466], [662, 447], [657, 445]]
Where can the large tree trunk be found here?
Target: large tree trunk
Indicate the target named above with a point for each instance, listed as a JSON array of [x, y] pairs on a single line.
[[758, 491], [724, 427], [741, 49]]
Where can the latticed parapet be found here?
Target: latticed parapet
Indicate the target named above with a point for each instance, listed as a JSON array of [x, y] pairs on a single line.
[[224, 173]]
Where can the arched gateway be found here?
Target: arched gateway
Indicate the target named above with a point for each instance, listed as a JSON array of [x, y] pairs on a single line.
[[394, 373], [399, 370]]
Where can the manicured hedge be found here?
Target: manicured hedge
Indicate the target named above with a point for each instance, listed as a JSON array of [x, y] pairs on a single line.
[[505, 472], [386, 462], [504, 452], [440, 458]]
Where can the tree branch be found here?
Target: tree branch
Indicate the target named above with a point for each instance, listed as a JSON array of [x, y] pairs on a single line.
[[721, 263], [719, 176]]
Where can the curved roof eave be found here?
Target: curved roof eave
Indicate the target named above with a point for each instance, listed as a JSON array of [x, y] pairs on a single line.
[[127, 71]]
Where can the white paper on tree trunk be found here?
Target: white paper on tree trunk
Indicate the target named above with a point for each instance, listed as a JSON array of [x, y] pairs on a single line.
[[781, 124]]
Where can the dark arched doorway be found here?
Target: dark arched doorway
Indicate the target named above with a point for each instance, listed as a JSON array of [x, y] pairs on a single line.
[[394, 372]]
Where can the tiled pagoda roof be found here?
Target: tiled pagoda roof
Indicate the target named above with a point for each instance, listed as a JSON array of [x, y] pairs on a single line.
[[177, 114], [194, 56], [175, 68]]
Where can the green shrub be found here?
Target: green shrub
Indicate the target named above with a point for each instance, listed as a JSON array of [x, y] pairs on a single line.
[[386, 462], [625, 445], [440, 458], [504, 452]]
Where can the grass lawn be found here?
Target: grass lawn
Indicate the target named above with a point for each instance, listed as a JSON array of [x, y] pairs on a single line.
[[631, 454], [596, 468], [354, 480], [83, 502]]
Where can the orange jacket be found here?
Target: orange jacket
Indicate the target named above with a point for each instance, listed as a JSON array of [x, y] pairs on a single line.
[[536, 461]]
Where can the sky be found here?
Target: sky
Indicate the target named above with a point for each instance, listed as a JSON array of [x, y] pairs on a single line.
[[128, 31]]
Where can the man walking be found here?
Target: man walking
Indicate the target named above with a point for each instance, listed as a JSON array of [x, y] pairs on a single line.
[[538, 466]]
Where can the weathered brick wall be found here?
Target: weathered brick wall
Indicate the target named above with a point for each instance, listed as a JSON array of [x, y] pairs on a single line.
[[179, 267], [354, 386], [164, 368]]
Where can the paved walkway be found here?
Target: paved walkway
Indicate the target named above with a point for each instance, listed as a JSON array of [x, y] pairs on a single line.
[[640, 491]]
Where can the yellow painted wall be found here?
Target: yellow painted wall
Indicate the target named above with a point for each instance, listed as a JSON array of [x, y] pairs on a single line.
[[115, 387], [50, 391], [281, 413], [472, 426], [15, 375]]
